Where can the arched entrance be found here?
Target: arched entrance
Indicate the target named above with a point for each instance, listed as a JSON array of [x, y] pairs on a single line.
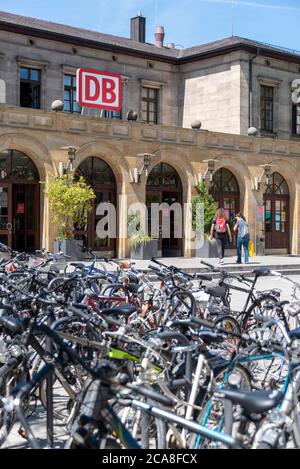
[[164, 186], [226, 192], [99, 175], [277, 213], [19, 201]]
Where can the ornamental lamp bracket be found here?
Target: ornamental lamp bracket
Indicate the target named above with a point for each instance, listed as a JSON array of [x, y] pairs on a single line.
[[208, 174], [143, 166], [65, 168], [267, 172]]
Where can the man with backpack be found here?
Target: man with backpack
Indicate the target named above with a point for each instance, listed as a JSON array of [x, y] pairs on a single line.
[[221, 231]]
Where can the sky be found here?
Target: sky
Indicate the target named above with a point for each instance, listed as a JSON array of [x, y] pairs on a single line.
[[187, 23]]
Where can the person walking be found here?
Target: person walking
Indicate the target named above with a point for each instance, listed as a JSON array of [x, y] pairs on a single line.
[[221, 231], [243, 237]]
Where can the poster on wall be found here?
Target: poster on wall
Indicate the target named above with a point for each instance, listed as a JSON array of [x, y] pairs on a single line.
[[21, 208]]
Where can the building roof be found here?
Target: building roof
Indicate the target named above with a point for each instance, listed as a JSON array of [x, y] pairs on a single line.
[[84, 37]]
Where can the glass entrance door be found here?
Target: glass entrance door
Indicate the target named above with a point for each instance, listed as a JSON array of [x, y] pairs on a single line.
[[171, 246], [225, 190], [277, 213], [168, 246], [25, 217], [276, 221], [5, 214]]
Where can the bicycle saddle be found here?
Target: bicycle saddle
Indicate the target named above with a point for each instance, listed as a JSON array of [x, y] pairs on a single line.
[[132, 287], [261, 271], [255, 402], [123, 310], [201, 276], [218, 292], [5, 309]]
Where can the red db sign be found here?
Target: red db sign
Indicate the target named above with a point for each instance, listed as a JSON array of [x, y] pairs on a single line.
[[98, 89]]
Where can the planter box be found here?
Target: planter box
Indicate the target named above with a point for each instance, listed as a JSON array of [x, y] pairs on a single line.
[[70, 247], [145, 251], [206, 249]]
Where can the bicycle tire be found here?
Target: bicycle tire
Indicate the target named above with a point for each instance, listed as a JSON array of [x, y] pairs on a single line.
[[207, 409], [258, 304]]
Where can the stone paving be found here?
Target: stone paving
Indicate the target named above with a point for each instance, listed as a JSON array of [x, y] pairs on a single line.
[[287, 264]]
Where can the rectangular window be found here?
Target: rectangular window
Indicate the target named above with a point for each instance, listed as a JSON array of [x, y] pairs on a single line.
[[150, 105], [111, 114], [30, 87], [296, 119], [266, 107], [70, 103]]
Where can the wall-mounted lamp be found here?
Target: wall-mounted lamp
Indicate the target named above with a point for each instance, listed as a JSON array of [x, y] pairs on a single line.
[[266, 172], [65, 168], [208, 174], [145, 163]]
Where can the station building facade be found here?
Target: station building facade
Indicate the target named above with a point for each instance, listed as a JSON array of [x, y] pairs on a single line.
[[228, 85]]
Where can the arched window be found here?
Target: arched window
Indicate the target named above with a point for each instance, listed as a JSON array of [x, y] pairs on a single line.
[[277, 185], [15, 166], [163, 175], [96, 172], [224, 181]]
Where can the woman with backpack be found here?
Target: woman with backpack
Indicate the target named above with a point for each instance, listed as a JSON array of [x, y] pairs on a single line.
[[243, 238], [221, 230]]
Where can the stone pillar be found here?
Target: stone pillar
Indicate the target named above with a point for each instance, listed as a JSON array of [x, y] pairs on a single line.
[[130, 193], [294, 221], [259, 222], [187, 223]]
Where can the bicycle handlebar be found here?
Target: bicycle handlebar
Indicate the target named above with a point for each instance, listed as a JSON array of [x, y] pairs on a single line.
[[164, 400]]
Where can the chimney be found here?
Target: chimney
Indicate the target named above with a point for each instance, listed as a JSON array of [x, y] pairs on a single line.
[[171, 45], [159, 36], [138, 28]]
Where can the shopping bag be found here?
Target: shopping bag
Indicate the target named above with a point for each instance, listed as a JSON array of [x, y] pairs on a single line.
[[251, 249]]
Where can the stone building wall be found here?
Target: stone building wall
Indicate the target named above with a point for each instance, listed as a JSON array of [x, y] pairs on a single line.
[[211, 94], [56, 58], [214, 90], [41, 136]]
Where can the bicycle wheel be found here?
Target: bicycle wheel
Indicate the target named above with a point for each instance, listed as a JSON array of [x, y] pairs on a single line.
[[9, 378], [231, 325], [6, 418], [217, 414], [183, 303], [262, 307], [150, 432], [62, 401]]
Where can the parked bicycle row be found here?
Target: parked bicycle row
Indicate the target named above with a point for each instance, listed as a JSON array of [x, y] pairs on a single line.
[[126, 359]]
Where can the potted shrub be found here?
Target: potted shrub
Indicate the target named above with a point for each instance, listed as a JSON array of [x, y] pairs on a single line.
[[70, 202], [141, 246], [206, 247]]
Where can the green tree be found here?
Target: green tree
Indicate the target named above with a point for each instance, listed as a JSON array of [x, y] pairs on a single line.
[[70, 202], [209, 205]]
